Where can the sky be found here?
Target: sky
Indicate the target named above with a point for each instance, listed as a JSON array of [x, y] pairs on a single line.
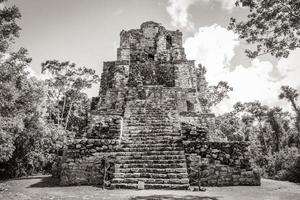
[[87, 33]]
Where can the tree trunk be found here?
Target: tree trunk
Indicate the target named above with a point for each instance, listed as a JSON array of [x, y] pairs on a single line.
[[298, 129], [63, 109], [68, 116], [58, 117], [263, 141], [295, 106], [297, 120]]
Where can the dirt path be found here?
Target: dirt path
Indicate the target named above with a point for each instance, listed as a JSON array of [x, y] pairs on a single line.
[[44, 187]]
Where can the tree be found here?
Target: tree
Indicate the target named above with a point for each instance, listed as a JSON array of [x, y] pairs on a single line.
[[18, 98], [210, 95], [13, 81], [65, 86], [291, 95], [215, 94], [276, 119], [272, 25], [258, 112], [23, 129], [9, 29], [230, 125]]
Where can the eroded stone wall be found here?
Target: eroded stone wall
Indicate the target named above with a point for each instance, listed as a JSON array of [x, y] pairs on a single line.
[[85, 159], [220, 164], [84, 162], [104, 127]]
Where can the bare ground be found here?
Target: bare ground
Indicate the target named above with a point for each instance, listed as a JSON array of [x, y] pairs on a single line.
[[44, 187]]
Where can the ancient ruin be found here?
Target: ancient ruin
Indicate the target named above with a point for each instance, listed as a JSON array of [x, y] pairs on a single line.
[[149, 126]]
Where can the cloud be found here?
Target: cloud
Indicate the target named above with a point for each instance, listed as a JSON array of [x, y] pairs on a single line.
[[39, 76], [254, 82], [118, 12], [4, 57], [178, 10], [226, 4], [31, 72], [2, 6], [214, 46]]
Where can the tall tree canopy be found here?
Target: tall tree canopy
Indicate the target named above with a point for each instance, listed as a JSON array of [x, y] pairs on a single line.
[[9, 28], [65, 86], [272, 25], [291, 95], [27, 141], [211, 95]]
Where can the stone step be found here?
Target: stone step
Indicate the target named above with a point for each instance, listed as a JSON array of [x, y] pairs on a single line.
[[149, 127], [151, 181], [142, 149], [145, 108], [152, 175], [151, 186], [149, 118], [152, 124], [152, 165], [125, 141], [150, 157], [151, 170], [146, 130], [141, 126], [151, 145], [151, 150], [152, 131], [142, 153], [148, 114], [147, 121], [149, 135], [152, 138], [149, 161], [164, 136]]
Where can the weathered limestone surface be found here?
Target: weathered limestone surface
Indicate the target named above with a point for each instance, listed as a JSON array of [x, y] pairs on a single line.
[[149, 121], [221, 164], [84, 163]]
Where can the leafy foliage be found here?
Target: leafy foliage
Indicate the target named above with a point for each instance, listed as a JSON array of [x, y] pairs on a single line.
[[9, 29], [210, 95], [65, 87], [272, 25], [291, 95], [24, 131], [215, 94], [271, 134]]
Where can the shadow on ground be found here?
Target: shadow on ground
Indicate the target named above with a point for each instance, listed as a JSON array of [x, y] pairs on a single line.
[[171, 197], [47, 182]]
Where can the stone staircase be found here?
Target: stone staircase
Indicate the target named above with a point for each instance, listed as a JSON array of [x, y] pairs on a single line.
[[151, 150]]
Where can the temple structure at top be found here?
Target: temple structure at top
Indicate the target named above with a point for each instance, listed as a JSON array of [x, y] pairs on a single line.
[[147, 57]]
